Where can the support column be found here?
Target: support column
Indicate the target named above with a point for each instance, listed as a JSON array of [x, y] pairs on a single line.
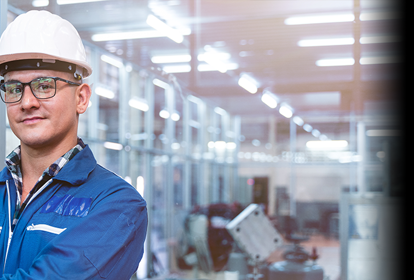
[[3, 25]]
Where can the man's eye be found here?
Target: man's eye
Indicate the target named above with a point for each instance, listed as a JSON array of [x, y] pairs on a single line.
[[14, 90]]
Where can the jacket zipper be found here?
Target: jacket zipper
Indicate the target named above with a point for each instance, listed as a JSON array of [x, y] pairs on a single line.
[[10, 232]]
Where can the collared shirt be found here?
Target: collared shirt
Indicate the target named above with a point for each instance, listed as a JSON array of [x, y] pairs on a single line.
[[13, 164]]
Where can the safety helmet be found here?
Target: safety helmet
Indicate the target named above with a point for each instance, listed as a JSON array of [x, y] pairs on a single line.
[[41, 40]]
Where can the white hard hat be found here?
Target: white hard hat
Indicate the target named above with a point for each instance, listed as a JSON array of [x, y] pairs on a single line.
[[42, 40]]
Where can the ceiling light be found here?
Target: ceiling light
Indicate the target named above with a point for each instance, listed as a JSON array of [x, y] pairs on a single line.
[[326, 42], [378, 60], [285, 110], [66, 2], [104, 92], [316, 133], [269, 99], [171, 58], [218, 55], [323, 137], [113, 61], [164, 114], [175, 117], [379, 39], [204, 67], [335, 62], [307, 127], [161, 26], [378, 16], [298, 120], [248, 83], [160, 83], [130, 35], [319, 19], [383, 132], [138, 104], [327, 145], [113, 146], [40, 3], [185, 68]]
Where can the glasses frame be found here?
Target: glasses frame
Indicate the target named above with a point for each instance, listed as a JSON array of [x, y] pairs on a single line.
[[2, 88]]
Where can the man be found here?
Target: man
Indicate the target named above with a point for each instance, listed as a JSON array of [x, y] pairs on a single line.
[[62, 216]]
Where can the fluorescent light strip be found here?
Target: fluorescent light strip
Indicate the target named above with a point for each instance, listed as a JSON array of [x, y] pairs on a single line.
[[171, 58], [207, 67], [314, 19], [346, 41], [335, 62], [138, 104], [378, 60], [40, 3], [298, 120], [319, 19], [104, 92], [113, 146], [161, 26], [66, 2], [160, 84], [177, 68], [326, 42], [113, 61], [248, 84], [327, 145], [286, 111], [269, 99]]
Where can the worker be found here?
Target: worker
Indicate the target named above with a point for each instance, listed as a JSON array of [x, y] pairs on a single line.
[[62, 215]]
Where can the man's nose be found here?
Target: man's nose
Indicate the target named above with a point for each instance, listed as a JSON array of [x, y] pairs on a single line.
[[28, 99]]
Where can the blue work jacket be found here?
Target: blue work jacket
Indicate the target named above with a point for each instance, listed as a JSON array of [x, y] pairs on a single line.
[[85, 223]]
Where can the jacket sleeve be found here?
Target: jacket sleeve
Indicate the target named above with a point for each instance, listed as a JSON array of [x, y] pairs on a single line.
[[106, 244]]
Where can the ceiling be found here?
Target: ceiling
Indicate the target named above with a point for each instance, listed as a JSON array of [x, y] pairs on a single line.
[[255, 35]]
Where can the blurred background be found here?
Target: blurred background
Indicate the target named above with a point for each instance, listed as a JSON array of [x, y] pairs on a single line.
[[209, 106]]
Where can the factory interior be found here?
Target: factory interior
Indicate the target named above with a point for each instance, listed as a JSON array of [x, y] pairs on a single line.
[[279, 117]]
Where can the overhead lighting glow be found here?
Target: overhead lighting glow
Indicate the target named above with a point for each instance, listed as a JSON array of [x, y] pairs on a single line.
[[248, 83], [327, 145], [298, 120], [269, 99], [66, 2], [161, 26], [171, 58], [175, 117], [383, 132], [215, 60], [113, 61], [378, 16], [331, 18], [164, 114], [326, 42], [130, 35], [160, 83], [138, 104], [323, 137], [379, 39], [335, 62], [204, 67], [104, 92], [319, 19], [40, 3], [185, 68], [316, 133], [307, 127], [286, 111], [113, 146], [378, 60]]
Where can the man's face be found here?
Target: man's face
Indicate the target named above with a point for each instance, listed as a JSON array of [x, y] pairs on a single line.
[[40, 123]]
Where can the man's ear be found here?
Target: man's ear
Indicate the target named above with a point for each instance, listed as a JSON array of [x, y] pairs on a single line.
[[83, 94]]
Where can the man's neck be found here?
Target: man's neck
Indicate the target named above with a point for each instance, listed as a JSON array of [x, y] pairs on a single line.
[[35, 160]]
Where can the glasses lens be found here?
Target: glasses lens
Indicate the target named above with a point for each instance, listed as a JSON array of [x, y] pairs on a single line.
[[43, 87], [11, 91]]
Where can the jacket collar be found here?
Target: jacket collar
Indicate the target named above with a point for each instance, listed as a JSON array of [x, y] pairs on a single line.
[[75, 172]]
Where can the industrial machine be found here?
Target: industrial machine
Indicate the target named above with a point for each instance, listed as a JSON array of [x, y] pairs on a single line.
[[256, 236]]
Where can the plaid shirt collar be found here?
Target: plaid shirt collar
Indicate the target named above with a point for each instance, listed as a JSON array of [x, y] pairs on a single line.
[[13, 164]]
